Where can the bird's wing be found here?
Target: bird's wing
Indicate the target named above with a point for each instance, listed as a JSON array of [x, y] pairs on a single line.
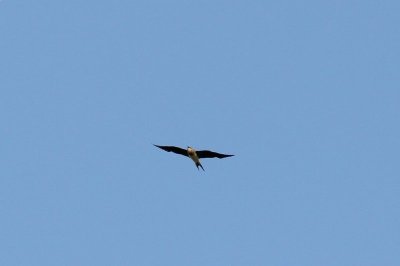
[[211, 154], [173, 149]]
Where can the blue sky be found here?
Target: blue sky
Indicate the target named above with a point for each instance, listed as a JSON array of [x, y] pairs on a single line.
[[305, 94]]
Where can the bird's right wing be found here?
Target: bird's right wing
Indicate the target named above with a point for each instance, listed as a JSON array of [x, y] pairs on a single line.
[[211, 154], [173, 149]]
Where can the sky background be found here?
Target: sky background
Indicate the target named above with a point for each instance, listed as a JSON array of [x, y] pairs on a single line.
[[305, 94]]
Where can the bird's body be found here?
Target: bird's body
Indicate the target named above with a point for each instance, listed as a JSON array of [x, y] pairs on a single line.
[[193, 154]]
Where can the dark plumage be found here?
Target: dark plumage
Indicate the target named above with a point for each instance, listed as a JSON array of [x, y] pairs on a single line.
[[193, 154], [211, 154], [173, 149]]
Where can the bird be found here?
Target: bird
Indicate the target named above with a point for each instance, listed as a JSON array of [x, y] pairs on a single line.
[[193, 154]]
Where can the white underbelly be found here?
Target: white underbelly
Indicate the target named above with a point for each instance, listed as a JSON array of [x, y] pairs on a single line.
[[194, 157]]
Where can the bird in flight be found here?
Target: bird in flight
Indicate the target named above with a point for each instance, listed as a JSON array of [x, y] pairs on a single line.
[[193, 154]]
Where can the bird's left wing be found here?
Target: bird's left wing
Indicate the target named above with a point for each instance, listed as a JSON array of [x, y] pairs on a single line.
[[173, 149], [211, 154]]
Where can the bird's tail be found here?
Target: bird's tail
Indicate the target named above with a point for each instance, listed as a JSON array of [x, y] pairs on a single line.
[[199, 164]]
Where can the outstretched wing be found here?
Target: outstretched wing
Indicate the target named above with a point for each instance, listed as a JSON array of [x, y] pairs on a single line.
[[173, 149], [211, 154]]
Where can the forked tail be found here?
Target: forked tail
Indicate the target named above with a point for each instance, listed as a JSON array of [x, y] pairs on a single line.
[[199, 164]]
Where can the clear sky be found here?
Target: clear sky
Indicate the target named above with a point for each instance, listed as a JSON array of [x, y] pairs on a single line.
[[306, 94]]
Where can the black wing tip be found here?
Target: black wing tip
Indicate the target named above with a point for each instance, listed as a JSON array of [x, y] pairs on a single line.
[[161, 147]]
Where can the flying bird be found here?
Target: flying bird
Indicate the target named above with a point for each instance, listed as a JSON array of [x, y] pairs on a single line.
[[193, 154]]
